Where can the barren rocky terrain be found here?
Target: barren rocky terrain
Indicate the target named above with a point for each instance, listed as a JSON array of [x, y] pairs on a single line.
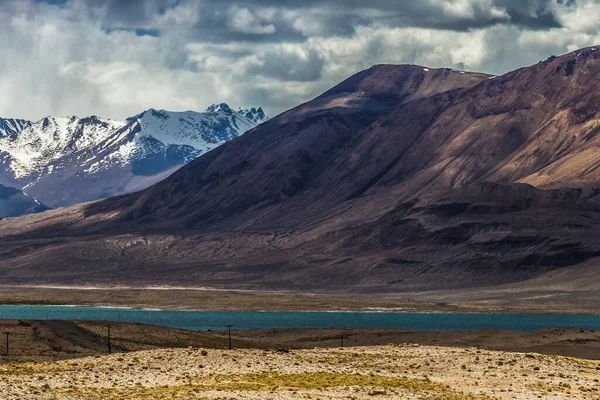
[[405, 371]]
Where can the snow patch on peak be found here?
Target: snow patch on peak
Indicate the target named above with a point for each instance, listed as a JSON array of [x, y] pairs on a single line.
[[150, 113], [221, 107], [201, 131]]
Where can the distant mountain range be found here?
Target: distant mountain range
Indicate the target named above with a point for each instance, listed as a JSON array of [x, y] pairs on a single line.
[[67, 160]]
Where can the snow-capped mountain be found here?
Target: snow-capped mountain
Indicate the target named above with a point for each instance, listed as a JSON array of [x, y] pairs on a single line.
[[68, 160]]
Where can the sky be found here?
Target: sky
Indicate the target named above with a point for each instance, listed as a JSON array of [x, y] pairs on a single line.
[[116, 58]]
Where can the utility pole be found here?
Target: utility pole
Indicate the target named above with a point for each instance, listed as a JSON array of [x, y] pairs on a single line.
[[229, 329], [108, 336], [7, 333]]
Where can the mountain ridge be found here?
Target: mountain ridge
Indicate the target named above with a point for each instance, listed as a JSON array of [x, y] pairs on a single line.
[[63, 160], [400, 178]]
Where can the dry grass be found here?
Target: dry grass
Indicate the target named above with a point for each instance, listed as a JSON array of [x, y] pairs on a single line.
[[384, 372], [274, 382]]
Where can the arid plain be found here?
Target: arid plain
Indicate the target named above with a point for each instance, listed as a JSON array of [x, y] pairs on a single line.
[[388, 372]]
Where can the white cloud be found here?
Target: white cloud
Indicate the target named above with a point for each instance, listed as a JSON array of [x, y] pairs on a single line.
[[244, 21], [79, 60], [469, 8]]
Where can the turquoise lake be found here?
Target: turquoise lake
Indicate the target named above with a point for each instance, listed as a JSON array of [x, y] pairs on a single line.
[[216, 320]]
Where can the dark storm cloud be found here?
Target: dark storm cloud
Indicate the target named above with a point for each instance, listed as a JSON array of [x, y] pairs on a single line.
[[282, 21], [126, 13], [528, 14]]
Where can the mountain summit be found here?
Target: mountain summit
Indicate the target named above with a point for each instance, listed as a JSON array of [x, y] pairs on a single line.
[[68, 160], [400, 178], [221, 107]]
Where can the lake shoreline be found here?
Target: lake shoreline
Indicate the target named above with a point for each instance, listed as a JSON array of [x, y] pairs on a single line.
[[214, 299], [202, 321]]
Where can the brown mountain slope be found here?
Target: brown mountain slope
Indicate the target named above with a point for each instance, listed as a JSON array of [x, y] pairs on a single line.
[[382, 183], [289, 153]]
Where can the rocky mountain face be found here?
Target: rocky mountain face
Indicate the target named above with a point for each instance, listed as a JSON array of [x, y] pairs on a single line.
[[13, 203], [69, 160], [399, 178], [10, 127]]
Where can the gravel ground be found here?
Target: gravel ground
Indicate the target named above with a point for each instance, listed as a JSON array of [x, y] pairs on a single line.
[[385, 372]]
